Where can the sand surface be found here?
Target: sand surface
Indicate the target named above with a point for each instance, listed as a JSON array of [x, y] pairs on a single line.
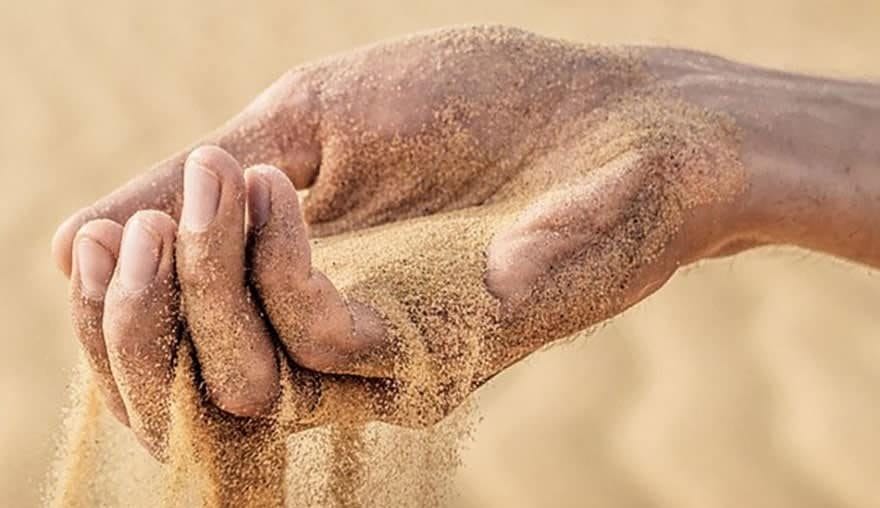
[[745, 382]]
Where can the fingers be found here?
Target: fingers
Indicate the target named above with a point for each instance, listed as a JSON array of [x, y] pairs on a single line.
[[319, 329], [233, 347], [159, 189], [94, 259], [278, 128], [140, 324]]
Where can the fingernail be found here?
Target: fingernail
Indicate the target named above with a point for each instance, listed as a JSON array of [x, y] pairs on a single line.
[[201, 195], [258, 201], [139, 255], [95, 265]]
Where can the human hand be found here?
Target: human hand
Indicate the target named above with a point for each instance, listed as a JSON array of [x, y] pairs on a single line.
[[411, 312], [593, 179], [525, 139]]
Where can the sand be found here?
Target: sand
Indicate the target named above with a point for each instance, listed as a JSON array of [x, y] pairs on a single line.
[[628, 418]]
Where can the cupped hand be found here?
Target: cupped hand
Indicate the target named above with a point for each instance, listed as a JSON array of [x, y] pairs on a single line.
[[496, 190], [433, 306]]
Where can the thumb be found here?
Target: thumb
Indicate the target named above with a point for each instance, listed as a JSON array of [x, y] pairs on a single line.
[[277, 128], [588, 249]]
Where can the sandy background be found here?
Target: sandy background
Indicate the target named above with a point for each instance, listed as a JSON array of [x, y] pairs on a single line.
[[751, 382]]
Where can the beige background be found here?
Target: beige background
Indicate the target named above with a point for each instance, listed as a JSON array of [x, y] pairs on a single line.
[[747, 382]]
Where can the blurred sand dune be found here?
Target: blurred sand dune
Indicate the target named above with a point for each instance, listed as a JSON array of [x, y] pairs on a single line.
[[751, 382]]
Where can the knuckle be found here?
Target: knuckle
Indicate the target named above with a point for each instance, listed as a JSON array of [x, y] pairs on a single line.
[[291, 100], [293, 90]]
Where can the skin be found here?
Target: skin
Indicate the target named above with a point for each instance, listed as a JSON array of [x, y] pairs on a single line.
[[809, 176]]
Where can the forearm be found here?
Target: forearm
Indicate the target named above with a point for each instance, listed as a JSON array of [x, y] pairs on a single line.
[[816, 170], [812, 150]]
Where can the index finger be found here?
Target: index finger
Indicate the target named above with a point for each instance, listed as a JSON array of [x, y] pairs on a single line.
[[278, 128]]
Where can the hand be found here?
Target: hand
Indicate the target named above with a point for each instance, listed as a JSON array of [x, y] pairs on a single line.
[[581, 173], [583, 208], [411, 315], [431, 281]]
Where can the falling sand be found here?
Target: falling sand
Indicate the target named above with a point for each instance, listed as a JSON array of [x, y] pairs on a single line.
[[345, 441]]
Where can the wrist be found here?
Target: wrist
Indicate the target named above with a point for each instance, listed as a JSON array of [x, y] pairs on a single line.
[[813, 157], [810, 147]]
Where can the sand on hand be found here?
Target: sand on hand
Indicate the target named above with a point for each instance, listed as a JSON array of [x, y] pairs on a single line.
[[425, 277]]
